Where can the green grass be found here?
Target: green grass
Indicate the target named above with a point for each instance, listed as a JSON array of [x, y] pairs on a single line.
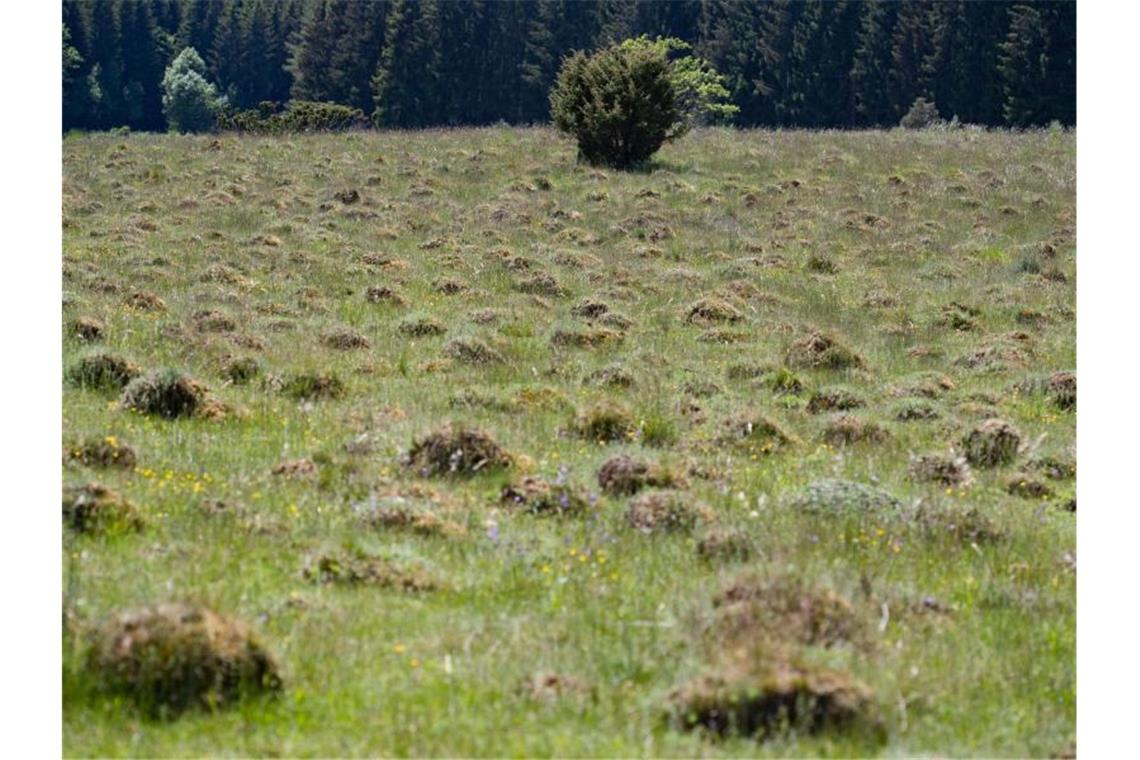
[[371, 671]]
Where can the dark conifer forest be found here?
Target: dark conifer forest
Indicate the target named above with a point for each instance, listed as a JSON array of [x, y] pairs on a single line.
[[426, 63]]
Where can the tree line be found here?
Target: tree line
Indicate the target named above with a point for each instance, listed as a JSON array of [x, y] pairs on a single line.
[[421, 63]]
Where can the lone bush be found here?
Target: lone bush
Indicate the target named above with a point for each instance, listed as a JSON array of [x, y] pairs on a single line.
[[191, 103], [623, 103], [922, 114]]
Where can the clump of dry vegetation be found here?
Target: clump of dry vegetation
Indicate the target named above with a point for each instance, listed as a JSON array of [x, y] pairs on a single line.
[[752, 701], [726, 545], [950, 469], [757, 433], [103, 372], [472, 351], [540, 496], [345, 339], [833, 399], [819, 351], [456, 449], [354, 567], [601, 336], [88, 329], [845, 429], [782, 607], [420, 327], [95, 508], [623, 475], [105, 452], [305, 386], [414, 520], [605, 422], [167, 393], [993, 443], [170, 657], [666, 511], [711, 310]]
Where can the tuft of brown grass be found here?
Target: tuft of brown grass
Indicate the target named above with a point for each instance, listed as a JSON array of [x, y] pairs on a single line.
[[456, 449], [993, 443], [666, 511], [169, 657], [623, 475], [95, 508], [819, 351], [539, 496], [105, 452]]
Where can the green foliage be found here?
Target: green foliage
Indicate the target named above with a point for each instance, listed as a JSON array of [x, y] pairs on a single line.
[[71, 57], [418, 63], [298, 116], [623, 103], [620, 104], [190, 102], [698, 90], [922, 114]]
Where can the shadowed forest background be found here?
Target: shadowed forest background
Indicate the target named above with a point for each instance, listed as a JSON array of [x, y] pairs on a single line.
[[420, 64]]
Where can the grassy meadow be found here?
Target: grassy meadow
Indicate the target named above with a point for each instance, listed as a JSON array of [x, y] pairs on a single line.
[[797, 338]]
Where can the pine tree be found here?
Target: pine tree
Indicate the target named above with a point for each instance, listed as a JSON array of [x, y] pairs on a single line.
[[224, 60], [731, 39], [871, 66], [309, 55], [554, 28], [77, 104], [197, 22], [260, 56], [1024, 68], [167, 17], [818, 89], [144, 57], [356, 51], [1061, 68], [677, 19], [106, 78], [912, 49], [407, 87], [615, 22], [72, 62]]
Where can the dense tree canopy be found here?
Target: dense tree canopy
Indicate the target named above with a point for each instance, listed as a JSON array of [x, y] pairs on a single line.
[[413, 63]]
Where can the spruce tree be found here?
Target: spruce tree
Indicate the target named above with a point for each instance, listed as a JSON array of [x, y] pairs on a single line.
[[144, 56], [260, 56], [1061, 67], [871, 66], [1024, 68], [407, 87], [72, 61], [197, 22], [106, 77], [818, 90], [911, 51], [359, 38], [310, 54], [224, 59]]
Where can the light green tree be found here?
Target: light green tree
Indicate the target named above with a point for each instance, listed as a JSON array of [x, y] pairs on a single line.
[[191, 103], [699, 91]]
